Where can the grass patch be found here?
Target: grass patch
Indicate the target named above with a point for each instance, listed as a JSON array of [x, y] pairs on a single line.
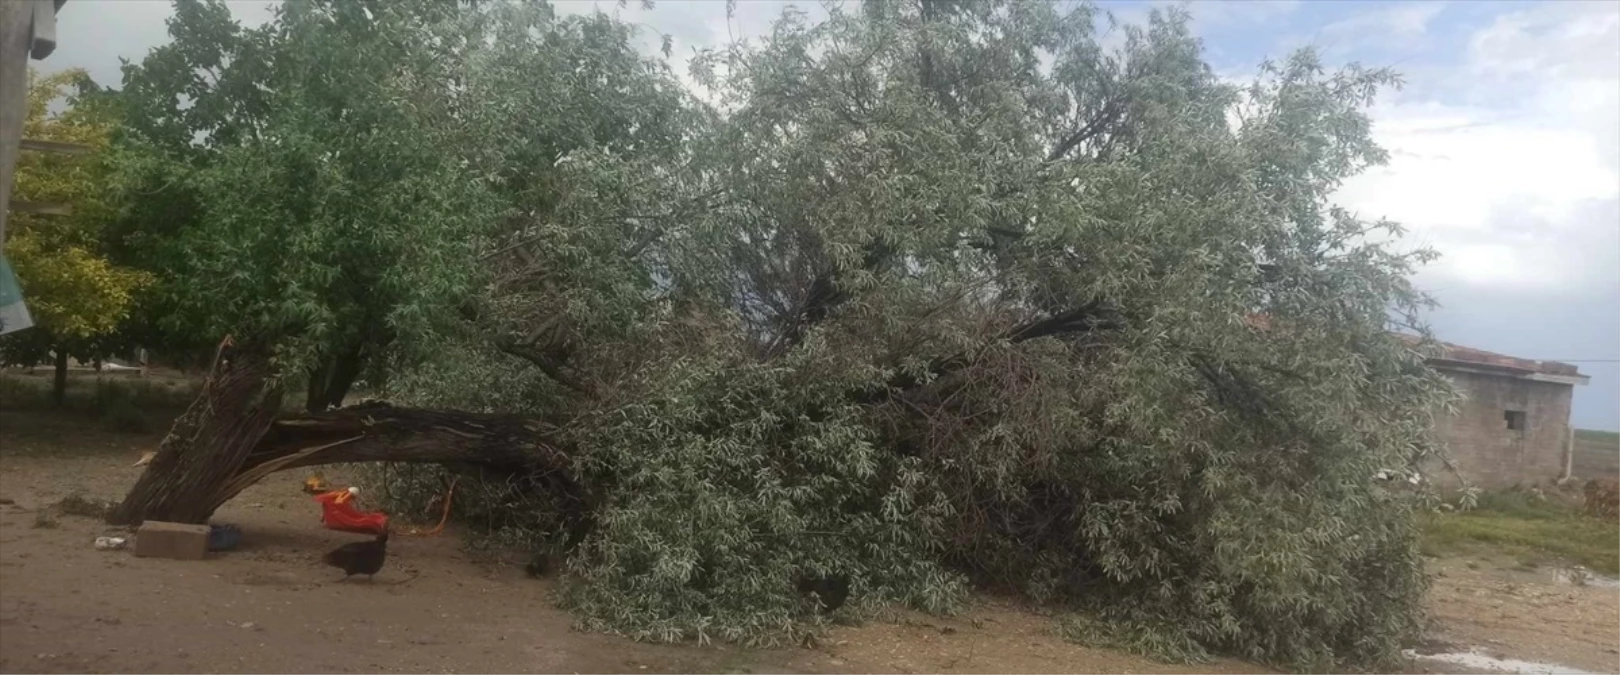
[[1529, 528], [102, 396], [120, 404], [84, 507]]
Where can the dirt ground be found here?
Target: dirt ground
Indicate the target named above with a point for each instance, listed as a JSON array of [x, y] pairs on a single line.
[[270, 606]]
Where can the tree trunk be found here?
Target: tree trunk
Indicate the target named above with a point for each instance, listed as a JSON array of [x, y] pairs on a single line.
[[315, 390], [229, 439], [59, 384], [207, 445], [330, 383], [344, 371]]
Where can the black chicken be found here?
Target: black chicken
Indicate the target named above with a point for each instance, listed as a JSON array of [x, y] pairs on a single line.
[[361, 557], [830, 591]]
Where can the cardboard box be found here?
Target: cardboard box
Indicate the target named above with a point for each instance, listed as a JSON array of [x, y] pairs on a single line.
[[179, 541]]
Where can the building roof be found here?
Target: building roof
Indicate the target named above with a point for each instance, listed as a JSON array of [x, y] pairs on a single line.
[[1454, 355]]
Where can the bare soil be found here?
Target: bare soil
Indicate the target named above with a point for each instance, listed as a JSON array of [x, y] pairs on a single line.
[[271, 606], [1508, 611]]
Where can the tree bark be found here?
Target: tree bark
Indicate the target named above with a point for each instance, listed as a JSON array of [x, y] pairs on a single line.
[[315, 390], [344, 370], [59, 382], [330, 383]]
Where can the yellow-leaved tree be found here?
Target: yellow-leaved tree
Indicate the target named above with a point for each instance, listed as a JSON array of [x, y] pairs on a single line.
[[78, 297]]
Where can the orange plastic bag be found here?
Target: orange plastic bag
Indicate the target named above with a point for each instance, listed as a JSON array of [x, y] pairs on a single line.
[[338, 513]]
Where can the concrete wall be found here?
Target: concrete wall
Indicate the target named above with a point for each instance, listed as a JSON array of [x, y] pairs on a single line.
[[1490, 455]]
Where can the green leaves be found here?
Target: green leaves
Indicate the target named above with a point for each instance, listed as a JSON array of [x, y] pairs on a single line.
[[933, 291], [1050, 270], [325, 162], [77, 295]]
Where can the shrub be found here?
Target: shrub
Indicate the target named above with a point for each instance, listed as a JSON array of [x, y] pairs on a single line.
[[1602, 498]]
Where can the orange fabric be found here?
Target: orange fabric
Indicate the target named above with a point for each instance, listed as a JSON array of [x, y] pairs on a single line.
[[338, 513], [445, 517]]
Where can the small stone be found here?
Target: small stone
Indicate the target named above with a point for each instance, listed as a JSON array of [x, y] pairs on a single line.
[[248, 625]]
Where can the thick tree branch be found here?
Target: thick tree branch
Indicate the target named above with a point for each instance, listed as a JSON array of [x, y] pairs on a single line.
[[823, 298], [1091, 317], [548, 361], [378, 432], [382, 432], [1097, 125]]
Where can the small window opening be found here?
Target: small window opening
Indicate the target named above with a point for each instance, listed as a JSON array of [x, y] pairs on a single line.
[[1515, 420]]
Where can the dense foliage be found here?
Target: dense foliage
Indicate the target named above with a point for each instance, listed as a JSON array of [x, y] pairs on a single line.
[[310, 188], [921, 295]]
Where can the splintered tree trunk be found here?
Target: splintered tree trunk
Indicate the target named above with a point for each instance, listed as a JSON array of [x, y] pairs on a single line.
[[230, 439], [207, 445]]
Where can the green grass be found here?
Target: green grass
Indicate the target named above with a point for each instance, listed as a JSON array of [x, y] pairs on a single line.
[[84, 507], [1595, 436], [118, 403], [1530, 529]]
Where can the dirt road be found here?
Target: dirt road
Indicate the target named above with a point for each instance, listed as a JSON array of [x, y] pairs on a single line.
[[270, 606]]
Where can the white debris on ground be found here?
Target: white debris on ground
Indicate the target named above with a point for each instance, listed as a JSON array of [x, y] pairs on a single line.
[[1581, 576], [1474, 658]]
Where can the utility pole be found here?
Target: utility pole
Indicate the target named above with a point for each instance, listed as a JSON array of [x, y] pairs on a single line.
[[27, 30]]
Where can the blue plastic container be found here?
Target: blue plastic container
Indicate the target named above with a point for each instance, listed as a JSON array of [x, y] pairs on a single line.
[[223, 537]]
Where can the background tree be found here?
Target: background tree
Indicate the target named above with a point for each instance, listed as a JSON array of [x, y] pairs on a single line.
[[79, 297], [313, 191]]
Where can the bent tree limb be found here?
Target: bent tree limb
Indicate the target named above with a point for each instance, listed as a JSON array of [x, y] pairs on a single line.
[[230, 438], [378, 432]]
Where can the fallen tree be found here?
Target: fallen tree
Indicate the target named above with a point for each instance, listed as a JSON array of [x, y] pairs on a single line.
[[913, 310], [231, 437]]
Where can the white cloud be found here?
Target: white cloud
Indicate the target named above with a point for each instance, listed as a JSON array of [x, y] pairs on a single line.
[[1384, 25], [1513, 176], [93, 35]]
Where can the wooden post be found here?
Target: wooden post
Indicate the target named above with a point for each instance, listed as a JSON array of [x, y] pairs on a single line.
[[16, 21], [27, 29]]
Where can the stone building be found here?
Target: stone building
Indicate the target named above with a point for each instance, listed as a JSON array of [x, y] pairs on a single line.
[[1512, 425]]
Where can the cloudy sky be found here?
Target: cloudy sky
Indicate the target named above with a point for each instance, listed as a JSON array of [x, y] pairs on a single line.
[[1505, 141]]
